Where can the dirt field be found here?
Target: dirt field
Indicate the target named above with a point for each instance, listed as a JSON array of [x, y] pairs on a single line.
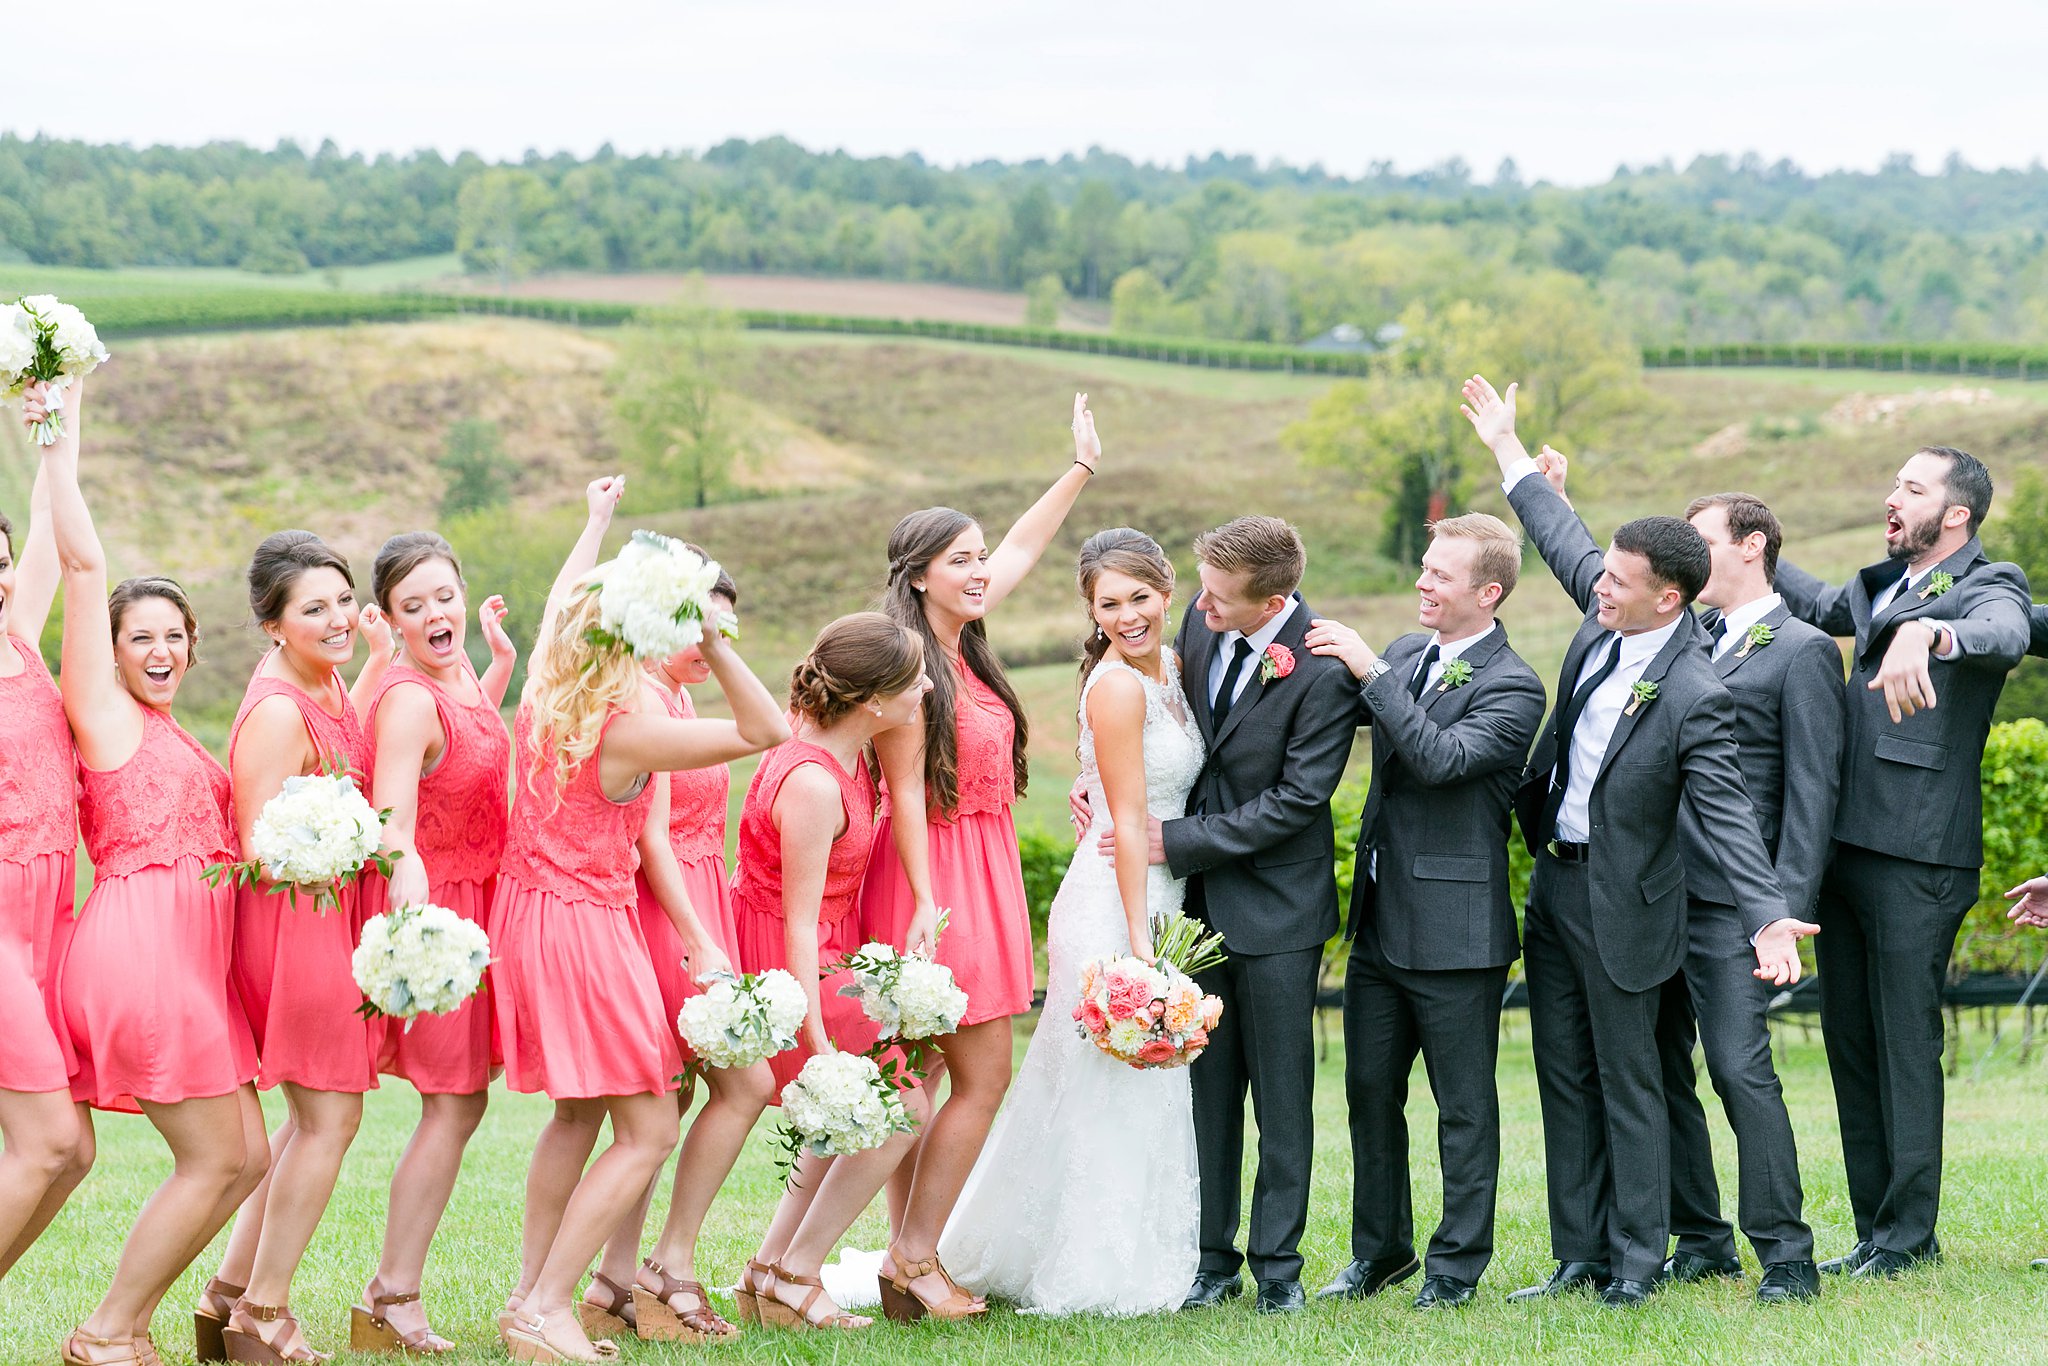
[[807, 294]]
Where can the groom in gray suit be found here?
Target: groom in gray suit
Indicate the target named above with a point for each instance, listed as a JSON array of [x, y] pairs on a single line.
[[1259, 853]]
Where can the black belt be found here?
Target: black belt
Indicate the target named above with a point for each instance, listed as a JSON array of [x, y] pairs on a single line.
[[1566, 851]]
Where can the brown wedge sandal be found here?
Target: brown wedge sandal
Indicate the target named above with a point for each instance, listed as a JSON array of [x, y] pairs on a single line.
[[527, 1340], [746, 1297], [71, 1356], [210, 1316], [776, 1314], [370, 1331], [247, 1344], [617, 1318], [660, 1321], [904, 1305]]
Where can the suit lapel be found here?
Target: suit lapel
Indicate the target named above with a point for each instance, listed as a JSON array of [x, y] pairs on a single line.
[[1255, 691], [1684, 638], [1743, 652], [1906, 605], [1194, 677], [1476, 657]]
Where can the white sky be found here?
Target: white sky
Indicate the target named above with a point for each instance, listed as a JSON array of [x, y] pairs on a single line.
[[1570, 88]]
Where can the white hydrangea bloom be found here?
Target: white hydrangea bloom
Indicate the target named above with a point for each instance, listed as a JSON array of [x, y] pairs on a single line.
[[420, 960], [17, 344], [316, 831], [737, 1024], [656, 596], [840, 1104]]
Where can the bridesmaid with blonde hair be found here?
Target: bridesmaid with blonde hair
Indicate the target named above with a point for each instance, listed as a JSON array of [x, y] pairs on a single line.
[[578, 1007]]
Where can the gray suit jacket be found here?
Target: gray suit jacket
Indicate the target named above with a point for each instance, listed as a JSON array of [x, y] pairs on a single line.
[[1258, 829], [1444, 772], [2039, 644], [1912, 788], [1677, 750]]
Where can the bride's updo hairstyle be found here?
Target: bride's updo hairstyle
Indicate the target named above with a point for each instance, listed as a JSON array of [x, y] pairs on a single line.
[[1128, 551], [853, 661]]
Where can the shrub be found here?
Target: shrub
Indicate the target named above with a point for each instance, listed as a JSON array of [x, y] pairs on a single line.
[[2015, 778]]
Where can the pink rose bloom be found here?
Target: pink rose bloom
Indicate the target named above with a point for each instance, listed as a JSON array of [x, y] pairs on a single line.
[[1279, 660], [1156, 1052], [1198, 1039], [1127, 996], [1091, 1017], [1212, 1011]]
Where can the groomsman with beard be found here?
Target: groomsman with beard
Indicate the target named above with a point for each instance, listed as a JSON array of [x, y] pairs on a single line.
[[1936, 620], [1453, 711], [1641, 727], [1786, 681]]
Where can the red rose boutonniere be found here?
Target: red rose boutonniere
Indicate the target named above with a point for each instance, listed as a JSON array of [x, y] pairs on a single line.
[[1276, 662]]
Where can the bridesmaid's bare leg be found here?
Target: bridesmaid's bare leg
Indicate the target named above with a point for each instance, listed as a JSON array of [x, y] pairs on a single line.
[[711, 1148], [897, 1192], [301, 1183], [621, 1255], [48, 1150], [255, 1164], [978, 1059], [848, 1187], [420, 1189], [559, 1153], [240, 1255]]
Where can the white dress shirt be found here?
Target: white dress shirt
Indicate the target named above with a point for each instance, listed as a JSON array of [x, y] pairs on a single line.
[[1740, 619], [1447, 650], [1595, 728], [1914, 583], [1260, 639]]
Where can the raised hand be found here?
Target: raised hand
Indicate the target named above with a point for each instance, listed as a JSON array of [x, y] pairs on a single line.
[[2031, 903], [1491, 414], [1551, 464], [376, 631], [1337, 639], [1777, 950], [602, 497], [1087, 445], [490, 619]]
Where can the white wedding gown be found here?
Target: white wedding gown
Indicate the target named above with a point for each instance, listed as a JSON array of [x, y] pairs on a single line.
[[1086, 1197]]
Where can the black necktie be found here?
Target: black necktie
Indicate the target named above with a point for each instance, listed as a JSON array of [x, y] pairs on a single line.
[[1227, 694], [1719, 630], [1567, 724], [1904, 586], [1429, 657]]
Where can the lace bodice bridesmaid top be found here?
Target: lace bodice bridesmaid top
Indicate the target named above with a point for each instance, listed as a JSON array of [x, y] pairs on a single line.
[[574, 841], [697, 798], [757, 884], [169, 801], [460, 826], [338, 740], [38, 781]]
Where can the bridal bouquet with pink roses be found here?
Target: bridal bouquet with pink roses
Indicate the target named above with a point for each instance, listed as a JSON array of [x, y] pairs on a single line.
[[1152, 1014]]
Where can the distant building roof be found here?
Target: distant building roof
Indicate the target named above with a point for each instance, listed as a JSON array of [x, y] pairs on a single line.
[[1342, 337]]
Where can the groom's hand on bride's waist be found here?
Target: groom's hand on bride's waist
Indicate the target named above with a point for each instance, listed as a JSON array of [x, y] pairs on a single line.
[[1155, 842]]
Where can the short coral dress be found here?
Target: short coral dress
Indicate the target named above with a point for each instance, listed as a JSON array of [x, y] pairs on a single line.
[[38, 869]]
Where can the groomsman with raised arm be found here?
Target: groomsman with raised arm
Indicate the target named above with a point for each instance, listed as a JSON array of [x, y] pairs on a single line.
[[1786, 680], [1453, 710], [1641, 726], [1937, 626]]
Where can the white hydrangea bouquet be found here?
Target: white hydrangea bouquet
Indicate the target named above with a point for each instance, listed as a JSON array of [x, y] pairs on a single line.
[[910, 997], [43, 341], [737, 1022], [316, 835], [841, 1103], [419, 960], [655, 599]]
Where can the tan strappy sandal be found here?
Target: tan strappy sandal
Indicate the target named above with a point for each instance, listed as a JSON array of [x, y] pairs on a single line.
[[618, 1318], [904, 1305], [247, 1344], [777, 1314], [659, 1320], [527, 1340], [71, 1356], [210, 1317], [745, 1297], [370, 1331]]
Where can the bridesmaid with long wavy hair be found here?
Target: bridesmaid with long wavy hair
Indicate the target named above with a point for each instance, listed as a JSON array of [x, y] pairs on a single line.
[[170, 1043], [948, 839], [291, 963], [578, 1006], [442, 758], [659, 1297], [44, 1152]]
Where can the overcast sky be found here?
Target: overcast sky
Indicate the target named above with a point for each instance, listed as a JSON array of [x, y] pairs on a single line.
[[1569, 89]]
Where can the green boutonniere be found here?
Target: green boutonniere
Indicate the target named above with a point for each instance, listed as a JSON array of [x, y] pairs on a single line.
[[1638, 695], [1940, 582], [1457, 674], [1759, 634]]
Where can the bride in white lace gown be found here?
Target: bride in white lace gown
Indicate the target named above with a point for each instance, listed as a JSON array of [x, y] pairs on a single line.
[[1086, 1197]]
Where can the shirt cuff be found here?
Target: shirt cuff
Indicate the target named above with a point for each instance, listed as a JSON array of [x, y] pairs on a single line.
[[1516, 472], [1955, 644]]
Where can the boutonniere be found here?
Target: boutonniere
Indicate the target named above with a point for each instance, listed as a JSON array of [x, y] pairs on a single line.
[[1937, 584], [1759, 634], [1457, 674], [1276, 662], [1637, 696]]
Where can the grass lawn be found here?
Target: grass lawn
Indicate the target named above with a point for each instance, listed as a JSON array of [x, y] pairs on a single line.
[[1982, 1304]]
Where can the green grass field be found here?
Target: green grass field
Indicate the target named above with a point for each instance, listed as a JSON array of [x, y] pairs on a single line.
[[1982, 1304]]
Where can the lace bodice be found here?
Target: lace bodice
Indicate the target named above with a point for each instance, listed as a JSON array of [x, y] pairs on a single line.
[[338, 740], [696, 798], [574, 842], [1173, 745], [460, 822], [169, 801], [38, 776], [757, 882]]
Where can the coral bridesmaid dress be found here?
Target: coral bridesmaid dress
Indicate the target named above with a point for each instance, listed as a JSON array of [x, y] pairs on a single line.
[[696, 831], [175, 1032], [459, 834], [38, 866], [579, 1011], [292, 962], [757, 893], [976, 874]]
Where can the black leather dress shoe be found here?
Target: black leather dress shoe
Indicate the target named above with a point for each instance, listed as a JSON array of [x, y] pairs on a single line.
[[1885, 1263], [1281, 1297], [1211, 1288], [1444, 1292], [1360, 1279], [1569, 1276], [1625, 1294], [1785, 1282], [1684, 1268], [1856, 1256]]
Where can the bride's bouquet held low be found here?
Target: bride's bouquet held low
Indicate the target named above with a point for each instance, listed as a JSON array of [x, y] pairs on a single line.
[[419, 960], [315, 837], [43, 341], [655, 599], [1151, 1014]]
